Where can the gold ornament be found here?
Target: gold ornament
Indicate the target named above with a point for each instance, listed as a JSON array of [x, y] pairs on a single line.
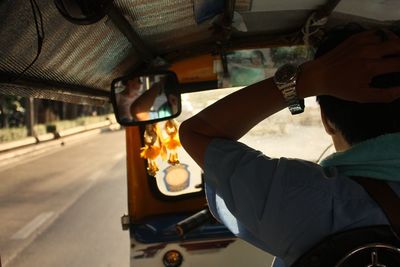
[[172, 142], [152, 148], [156, 145]]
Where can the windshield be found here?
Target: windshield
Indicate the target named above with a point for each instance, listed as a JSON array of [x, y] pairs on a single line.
[[278, 135]]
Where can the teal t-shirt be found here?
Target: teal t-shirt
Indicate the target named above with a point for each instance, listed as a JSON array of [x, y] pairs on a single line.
[[283, 206]]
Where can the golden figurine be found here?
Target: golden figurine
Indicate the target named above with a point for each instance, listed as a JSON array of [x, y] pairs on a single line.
[[152, 148], [172, 142]]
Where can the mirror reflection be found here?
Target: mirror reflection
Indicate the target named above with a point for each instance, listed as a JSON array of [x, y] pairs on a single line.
[[147, 98]]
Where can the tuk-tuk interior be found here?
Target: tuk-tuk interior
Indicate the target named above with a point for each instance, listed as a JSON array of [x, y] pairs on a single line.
[[77, 64]]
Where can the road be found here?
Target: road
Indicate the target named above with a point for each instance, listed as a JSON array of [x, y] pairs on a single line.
[[63, 208]]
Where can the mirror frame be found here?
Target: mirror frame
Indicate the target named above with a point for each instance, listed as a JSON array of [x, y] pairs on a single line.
[[145, 73]]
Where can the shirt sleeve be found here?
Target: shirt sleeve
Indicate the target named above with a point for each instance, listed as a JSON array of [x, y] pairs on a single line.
[[262, 199]]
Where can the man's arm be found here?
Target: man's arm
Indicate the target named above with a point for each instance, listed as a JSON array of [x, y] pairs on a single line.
[[345, 72], [233, 116], [140, 108]]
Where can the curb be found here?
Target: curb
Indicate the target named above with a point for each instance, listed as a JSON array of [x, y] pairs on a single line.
[[52, 136], [11, 151], [19, 143]]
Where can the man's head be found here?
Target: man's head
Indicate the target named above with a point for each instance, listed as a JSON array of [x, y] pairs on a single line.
[[133, 84], [357, 122]]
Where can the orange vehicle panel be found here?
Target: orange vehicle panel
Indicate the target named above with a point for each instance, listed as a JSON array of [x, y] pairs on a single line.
[[142, 203], [195, 69]]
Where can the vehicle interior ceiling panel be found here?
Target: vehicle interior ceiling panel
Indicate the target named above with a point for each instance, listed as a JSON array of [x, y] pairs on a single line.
[[277, 17], [83, 60], [164, 25], [370, 14], [74, 59]]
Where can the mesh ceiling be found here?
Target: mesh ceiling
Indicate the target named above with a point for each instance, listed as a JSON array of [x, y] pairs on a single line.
[[80, 55], [164, 25], [91, 56]]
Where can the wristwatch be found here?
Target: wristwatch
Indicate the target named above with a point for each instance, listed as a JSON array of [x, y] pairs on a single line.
[[285, 79]]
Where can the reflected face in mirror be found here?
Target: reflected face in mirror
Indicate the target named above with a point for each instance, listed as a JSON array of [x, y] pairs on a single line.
[[132, 87], [147, 98]]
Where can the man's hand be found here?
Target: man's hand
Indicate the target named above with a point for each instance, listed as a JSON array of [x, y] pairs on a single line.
[[346, 71]]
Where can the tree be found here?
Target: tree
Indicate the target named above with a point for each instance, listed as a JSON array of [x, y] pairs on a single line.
[[11, 111]]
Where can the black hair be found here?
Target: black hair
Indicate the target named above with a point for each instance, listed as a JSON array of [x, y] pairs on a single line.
[[359, 121], [125, 82], [170, 84]]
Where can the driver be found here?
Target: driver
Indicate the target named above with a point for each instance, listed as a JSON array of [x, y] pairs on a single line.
[[285, 206]]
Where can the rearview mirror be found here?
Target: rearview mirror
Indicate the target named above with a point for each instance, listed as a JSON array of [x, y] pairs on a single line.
[[146, 98]]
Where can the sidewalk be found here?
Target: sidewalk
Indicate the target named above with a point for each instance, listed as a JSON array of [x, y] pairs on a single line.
[[12, 151]]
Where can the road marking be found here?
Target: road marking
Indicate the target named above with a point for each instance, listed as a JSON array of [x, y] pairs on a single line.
[[96, 175], [119, 156], [33, 225]]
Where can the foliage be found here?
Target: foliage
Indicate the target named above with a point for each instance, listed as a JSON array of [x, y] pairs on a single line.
[[11, 134], [82, 121], [11, 111], [17, 133]]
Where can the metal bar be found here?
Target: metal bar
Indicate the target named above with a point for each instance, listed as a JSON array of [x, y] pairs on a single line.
[[198, 86], [27, 81], [31, 87], [228, 12], [51, 94], [327, 9], [249, 42], [30, 116], [133, 37]]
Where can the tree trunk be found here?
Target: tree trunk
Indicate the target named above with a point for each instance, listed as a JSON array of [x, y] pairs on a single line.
[[30, 116], [3, 110]]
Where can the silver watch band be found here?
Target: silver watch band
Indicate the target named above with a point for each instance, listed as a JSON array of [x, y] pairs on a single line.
[[285, 80], [295, 104]]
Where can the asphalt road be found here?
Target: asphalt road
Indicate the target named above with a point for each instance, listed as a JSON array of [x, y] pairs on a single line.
[[63, 208]]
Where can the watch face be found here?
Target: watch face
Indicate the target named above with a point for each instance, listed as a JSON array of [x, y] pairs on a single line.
[[286, 73]]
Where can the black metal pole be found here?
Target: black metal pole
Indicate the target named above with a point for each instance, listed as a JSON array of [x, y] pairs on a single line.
[[30, 116], [126, 29]]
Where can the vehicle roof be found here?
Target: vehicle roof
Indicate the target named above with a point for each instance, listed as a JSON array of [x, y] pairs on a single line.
[[78, 63]]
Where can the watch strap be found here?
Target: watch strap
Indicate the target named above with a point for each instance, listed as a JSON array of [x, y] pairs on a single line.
[[295, 105], [288, 90]]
